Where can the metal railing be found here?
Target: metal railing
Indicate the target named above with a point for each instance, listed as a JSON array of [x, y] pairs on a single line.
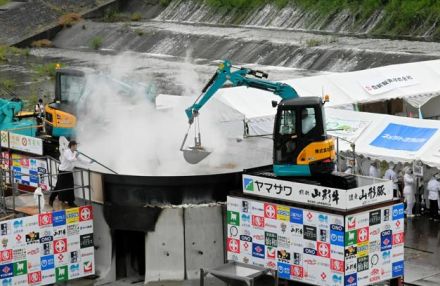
[[11, 189]]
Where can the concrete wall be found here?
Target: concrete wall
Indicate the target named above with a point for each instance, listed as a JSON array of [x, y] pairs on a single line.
[[164, 251], [184, 240], [104, 258]]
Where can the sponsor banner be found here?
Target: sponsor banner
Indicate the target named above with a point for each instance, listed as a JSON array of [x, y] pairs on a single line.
[[376, 83], [316, 247], [28, 171], [312, 195], [22, 143], [47, 248], [294, 241], [374, 243]]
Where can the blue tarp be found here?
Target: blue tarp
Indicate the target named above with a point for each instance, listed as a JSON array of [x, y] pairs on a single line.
[[403, 137]]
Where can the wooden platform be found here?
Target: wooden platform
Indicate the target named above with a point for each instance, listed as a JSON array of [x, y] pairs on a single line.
[[26, 204]]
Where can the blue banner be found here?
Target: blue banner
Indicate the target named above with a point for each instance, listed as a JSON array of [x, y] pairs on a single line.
[[403, 137]]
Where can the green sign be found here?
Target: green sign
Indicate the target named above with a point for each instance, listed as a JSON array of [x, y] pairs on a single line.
[[233, 218], [350, 238], [61, 274], [248, 184], [270, 239], [20, 268]]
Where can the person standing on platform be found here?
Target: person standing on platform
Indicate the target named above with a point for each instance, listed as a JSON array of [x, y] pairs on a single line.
[[373, 171], [350, 165], [409, 191], [64, 187], [390, 174], [434, 189]]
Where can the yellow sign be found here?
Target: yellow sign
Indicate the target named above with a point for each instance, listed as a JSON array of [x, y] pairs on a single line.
[[72, 215], [283, 213]]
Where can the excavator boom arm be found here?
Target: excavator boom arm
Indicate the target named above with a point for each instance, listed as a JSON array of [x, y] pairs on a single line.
[[238, 78]]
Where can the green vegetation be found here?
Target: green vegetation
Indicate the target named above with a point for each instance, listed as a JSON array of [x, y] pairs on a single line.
[[8, 84], [313, 43], [47, 70], [165, 2], [401, 18], [4, 2], [113, 16], [96, 42], [136, 16], [7, 52]]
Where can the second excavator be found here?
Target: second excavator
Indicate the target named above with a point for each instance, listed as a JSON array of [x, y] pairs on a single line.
[[301, 145]]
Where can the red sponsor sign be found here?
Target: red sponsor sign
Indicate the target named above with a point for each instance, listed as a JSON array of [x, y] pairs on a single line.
[[85, 213], [271, 252], [88, 266], [45, 219], [398, 238], [5, 255], [351, 222], [323, 249], [270, 211], [257, 221], [337, 265], [60, 245], [297, 271], [34, 277], [233, 245], [363, 235]]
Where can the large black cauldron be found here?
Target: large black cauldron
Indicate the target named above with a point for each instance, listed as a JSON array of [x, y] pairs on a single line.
[[134, 202]]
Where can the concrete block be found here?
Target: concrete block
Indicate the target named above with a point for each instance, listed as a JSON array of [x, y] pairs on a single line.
[[164, 248], [203, 239]]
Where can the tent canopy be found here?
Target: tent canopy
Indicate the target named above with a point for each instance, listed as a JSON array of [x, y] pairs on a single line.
[[387, 137], [345, 89]]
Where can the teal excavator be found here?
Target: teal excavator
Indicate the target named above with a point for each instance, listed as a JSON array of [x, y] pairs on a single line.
[[301, 146], [11, 115]]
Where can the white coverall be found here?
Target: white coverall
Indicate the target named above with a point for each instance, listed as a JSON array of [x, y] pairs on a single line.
[[390, 174], [373, 172], [409, 193]]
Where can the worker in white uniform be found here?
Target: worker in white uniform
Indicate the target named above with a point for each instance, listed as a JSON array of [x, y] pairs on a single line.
[[434, 189], [373, 171], [409, 191], [350, 165], [390, 174]]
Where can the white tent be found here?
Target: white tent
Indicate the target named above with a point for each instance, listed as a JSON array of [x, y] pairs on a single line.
[[418, 81], [387, 137]]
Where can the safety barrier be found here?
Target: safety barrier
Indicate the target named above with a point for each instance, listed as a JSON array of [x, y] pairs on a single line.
[[20, 198]]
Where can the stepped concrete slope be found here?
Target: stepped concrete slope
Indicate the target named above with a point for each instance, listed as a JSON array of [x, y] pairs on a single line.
[[248, 45], [21, 21], [289, 17]]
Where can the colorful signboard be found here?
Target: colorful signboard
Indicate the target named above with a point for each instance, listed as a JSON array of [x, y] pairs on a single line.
[[340, 199], [21, 143], [316, 247], [28, 171], [47, 248]]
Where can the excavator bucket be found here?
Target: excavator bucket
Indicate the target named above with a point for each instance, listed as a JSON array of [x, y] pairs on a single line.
[[194, 155]]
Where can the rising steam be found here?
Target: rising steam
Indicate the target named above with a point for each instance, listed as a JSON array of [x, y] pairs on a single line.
[[124, 130]]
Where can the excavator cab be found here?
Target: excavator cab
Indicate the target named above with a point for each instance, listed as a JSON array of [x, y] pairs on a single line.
[[60, 114], [301, 145]]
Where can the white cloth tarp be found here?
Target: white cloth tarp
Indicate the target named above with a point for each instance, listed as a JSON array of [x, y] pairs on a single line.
[[418, 79], [392, 138]]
